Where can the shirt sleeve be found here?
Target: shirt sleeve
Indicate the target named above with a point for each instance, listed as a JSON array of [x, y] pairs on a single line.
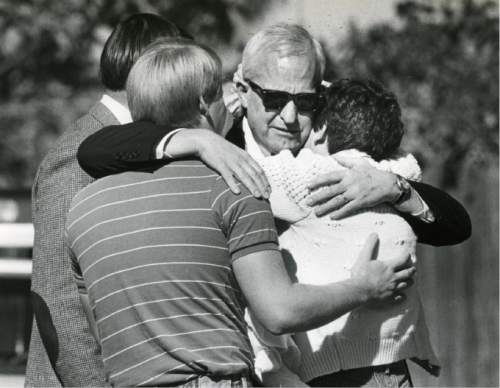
[[425, 214], [247, 221], [160, 149]]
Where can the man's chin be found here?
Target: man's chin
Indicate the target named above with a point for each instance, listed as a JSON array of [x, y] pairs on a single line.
[[293, 146]]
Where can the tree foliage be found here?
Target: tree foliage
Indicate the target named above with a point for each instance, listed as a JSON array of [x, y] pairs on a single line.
[[442, 63], [49, 54]]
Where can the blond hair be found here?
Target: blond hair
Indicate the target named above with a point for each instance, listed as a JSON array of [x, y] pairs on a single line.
[[167, 81]]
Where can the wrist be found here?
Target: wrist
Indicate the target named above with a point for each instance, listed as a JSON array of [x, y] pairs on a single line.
[[362, 289], [198, 137], [402, 190]]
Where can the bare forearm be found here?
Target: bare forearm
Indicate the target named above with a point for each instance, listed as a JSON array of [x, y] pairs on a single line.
[[185, 142], [305, 307], [285, 307], [232, 163]]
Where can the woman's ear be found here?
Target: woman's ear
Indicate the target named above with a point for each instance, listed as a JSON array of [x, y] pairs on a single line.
[[318, 140], [319, 135]]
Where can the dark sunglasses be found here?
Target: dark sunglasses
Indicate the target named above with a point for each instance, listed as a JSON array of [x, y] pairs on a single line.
[[277, 99]]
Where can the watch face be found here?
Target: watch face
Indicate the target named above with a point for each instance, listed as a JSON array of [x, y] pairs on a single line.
[[405, 188], [405, 185]]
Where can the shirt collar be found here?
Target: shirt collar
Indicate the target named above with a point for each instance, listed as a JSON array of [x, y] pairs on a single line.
[[121, 112], [251, 145]]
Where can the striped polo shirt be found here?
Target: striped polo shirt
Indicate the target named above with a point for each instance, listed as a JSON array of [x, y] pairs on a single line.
[[154, 252]]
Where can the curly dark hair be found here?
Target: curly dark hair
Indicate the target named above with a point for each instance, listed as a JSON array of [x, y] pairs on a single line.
[[361, 114]]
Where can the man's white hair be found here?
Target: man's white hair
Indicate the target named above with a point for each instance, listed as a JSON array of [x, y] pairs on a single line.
[[280, 41]]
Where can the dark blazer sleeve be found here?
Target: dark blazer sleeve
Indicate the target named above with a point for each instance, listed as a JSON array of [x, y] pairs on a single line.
[[119, 148], [452, 223], [131, 147]]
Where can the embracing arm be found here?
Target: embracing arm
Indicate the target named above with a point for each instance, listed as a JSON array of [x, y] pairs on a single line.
[[361, 187], [120, 148], [134, 147], [286, 307]]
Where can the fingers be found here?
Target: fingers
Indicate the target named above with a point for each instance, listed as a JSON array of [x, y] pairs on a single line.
[[327, 198], [247, 181], [326, 179], [346, 210], [236, 165], [230, 180], [405, 284], [398, 298], [400, 262], [257, 175], [253, 178], [405, 274], [370, 249]]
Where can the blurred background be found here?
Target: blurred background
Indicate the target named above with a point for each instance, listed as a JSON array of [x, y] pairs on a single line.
[[440, 58]]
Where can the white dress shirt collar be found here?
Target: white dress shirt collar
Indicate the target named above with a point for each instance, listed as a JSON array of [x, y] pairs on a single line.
[[120, 111], [251, 145]]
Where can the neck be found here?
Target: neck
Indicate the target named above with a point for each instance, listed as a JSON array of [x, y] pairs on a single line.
[[203, 122], [120, 96], [263, 149]]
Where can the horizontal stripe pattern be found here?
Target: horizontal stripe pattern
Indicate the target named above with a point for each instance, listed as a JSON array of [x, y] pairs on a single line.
[[155, 252]]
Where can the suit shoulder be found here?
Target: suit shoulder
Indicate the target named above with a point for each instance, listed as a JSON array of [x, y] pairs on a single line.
[[67, 143]]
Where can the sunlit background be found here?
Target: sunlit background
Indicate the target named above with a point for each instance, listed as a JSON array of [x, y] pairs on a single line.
[[439, 57]]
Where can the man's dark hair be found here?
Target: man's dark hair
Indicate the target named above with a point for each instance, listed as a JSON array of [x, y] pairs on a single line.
[[361, 114], [127, 41]]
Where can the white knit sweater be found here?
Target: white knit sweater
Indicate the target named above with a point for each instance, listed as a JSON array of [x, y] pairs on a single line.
[[323, 251]]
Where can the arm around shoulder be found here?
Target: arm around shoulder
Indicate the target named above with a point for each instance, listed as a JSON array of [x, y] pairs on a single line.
[[120, 148]]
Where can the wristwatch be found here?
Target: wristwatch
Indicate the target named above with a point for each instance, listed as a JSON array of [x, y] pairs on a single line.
[[404, 187]]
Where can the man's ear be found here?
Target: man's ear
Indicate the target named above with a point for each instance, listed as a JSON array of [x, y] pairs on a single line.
[[203, 106], [242, 89]]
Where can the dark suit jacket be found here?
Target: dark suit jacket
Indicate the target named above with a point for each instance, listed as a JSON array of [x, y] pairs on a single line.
[[62, 350], [131, 147]]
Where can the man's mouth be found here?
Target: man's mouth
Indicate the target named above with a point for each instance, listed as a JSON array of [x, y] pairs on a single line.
[[287, 132]]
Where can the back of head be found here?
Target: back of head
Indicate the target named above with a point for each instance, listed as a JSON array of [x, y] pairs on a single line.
[[362, 115], [280, 41], [129, 38], [168, 80]]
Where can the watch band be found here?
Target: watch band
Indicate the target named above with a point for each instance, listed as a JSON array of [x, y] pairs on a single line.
[[404, 186]]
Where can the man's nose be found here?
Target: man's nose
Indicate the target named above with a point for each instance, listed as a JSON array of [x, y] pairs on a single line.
[[289, 113]]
